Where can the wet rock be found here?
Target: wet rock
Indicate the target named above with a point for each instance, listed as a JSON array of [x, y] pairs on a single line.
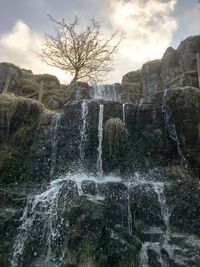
[[184, 200], [154, 260], [150, 212], [89, 187]]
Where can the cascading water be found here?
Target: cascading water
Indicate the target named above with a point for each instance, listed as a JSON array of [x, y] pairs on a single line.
[[124, 118], [157, 246], [42, 237], [54, 143], [165, 212], [130, 220], [39, 229], [105, 92], [124, 113], [171, 127], [84, 112], [100, 138]]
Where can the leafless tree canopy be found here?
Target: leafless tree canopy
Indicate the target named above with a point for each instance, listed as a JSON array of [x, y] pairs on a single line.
[[86, 54]]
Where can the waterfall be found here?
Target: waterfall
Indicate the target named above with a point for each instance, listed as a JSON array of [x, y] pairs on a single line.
[[54, 143], [130, 221], [100, 138], [143, 257], [39, 221], [84, 112], [156, 246], [165, 212], [142, 100], [105, 92], [124, 113], [170, 126]]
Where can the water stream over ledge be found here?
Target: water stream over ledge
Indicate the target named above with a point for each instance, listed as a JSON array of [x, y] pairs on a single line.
[[100, 138], [52, 219]]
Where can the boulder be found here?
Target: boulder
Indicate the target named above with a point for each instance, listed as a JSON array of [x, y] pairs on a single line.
[[184, 199], [132, 77], [170, 67], [187, 52], [9, 75], [177, 68], [19, 119], [151, 77]]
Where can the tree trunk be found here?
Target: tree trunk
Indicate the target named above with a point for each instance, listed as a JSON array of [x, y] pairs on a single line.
[[75, 77]]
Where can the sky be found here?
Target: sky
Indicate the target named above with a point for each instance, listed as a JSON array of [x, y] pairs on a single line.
[[150, 26]]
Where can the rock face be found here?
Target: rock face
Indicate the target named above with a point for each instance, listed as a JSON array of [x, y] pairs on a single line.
[[9, 73], [151, 77], [132, 218], [22, 82], [19, 119], [104, 183], [177, 68]]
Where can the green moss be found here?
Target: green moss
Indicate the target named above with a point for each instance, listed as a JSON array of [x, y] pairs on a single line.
[[113, 133], [15, 157], [19, 118], [26, 87], [94, 238]]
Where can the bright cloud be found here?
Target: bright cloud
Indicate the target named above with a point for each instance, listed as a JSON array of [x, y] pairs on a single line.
[[149, 27], [20, 45]]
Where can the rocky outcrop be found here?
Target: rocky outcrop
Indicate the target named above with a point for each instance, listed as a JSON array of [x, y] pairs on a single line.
[[151, 77], [24, 83], [19, 119], [9, 75], [156, 134], [104, 183], [177, 68]]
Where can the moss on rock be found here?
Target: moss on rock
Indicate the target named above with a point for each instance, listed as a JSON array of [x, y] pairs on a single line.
[[113, 133], [19, 118]]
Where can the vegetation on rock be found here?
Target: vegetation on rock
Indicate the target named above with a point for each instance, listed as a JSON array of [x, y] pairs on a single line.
[[19, 118], [113, 133]]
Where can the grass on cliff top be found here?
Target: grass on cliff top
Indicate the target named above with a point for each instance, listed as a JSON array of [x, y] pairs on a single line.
[[19, 118], [10, 101]]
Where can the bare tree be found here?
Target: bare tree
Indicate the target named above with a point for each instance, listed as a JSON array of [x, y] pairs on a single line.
[[85, 54]]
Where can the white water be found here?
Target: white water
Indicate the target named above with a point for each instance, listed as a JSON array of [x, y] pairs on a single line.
[[124, 113], [54, 143], [130, 220], [105, 92], [40, 208], [170, 126], [84, 113], [144, 259], [100, 138], [43, 208], [142, 100], [165, 212]]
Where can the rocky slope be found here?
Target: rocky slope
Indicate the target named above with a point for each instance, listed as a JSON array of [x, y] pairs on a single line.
[[103, 183]]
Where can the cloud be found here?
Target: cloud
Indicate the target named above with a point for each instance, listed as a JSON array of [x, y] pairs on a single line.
[[149, 27], [20, 45]]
